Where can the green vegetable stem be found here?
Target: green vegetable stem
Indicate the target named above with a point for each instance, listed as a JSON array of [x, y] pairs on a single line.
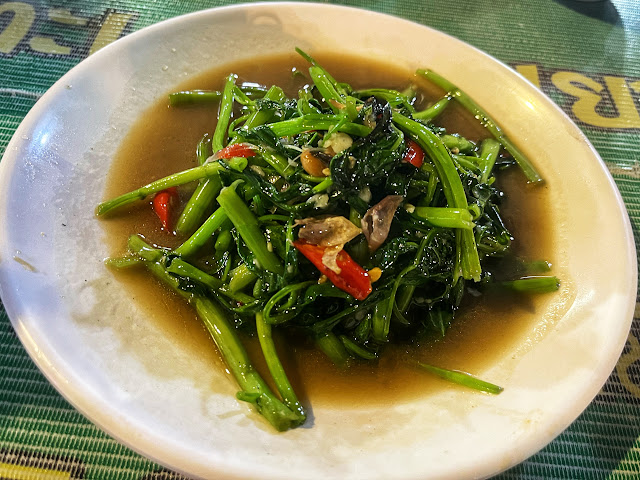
[[347, 218], [254, 389]]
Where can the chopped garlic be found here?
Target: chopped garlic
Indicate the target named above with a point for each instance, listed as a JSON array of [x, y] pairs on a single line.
[[327, 231], [329, 258], [320, 200], [365, 194], [338, 141]]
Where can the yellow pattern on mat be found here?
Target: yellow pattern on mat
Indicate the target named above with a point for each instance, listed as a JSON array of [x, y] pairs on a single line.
[[17, 472]]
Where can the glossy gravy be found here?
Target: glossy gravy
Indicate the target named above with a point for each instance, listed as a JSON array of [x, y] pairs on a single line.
[[164, 142]]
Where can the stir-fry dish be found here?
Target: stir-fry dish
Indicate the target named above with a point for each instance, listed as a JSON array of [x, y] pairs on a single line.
[[346, 216]]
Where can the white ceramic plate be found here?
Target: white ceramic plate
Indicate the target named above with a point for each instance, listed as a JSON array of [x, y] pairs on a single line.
[[77, 326]]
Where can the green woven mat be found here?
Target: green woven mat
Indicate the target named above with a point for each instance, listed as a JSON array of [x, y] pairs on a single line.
[[575, 51]]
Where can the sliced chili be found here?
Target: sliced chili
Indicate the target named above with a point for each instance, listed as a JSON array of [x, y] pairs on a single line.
[[352, 279], [236, 150], [414, 154], [162, 205]]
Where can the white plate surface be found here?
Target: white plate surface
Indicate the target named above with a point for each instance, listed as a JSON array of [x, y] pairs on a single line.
[[72, 320]]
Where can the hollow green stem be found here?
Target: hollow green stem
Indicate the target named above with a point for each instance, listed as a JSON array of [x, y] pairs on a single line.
[[207, 191], [186, 270], [279, 163], [456, 142], [326, 87], [313, 121], [247, 226], [323, 185], [204, 233], [287, 291], [469, 265], [260, 117], [196, 207], [446, 217], [380, 322], [434, 110], [241, 277], [489, 151], [127, 261], [468, 103], [191, 97], [254, 388], [333, 348], [533, 284], [462, 378], [203, 150], [174, 180], [276, 369], [357, 350], [393, 97]]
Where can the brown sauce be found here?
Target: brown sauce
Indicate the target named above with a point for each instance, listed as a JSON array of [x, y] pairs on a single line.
[[164, 141]]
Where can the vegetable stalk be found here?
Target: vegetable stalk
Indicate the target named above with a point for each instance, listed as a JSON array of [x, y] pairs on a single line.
[[254, 388], [467, 102], [247, 225], [452, 186], [207, 191]]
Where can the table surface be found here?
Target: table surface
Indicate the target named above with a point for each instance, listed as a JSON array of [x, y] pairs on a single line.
[[584, 55]]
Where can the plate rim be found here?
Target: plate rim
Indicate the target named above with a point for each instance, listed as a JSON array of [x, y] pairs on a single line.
[[8, 160]]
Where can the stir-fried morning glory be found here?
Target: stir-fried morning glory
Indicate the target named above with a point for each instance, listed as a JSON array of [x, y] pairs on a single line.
[[344, 215]]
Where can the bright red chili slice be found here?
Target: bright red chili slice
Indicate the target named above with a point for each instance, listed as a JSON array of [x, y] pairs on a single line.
[[414, 154], [236, 150], [162, 205], [352, 279]]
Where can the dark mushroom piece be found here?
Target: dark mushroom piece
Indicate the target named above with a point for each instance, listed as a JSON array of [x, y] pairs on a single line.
[[377, 221]]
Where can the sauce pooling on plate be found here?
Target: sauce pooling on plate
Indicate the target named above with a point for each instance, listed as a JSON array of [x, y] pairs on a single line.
[[486, 326]]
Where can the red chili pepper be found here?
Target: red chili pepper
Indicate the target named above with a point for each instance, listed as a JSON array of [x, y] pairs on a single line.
[[162, 205], [352, 279], [236, 150], [414, 154]]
